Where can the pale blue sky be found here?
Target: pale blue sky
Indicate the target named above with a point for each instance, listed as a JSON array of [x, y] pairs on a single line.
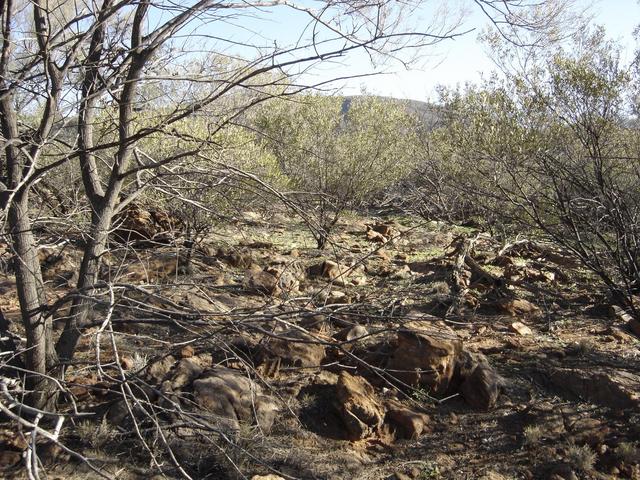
[[242, 32], [465, 59]]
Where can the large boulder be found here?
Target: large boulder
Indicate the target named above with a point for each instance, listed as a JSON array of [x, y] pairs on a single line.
[[359, 406], [293, 348], [425, 356], [606, 387], [232, 398], [261, 282]]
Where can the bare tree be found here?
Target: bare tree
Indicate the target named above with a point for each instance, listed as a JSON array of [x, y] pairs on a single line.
[[95, 67]]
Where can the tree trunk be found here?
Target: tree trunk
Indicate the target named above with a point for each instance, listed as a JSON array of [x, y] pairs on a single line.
[[40, 355], [87, 277]]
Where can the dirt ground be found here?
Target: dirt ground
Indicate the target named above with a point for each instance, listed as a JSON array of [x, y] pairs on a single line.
[[565, 367]]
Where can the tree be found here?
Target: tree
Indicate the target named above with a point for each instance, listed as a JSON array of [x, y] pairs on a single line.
[[553, 150], [69, 64], [97, 68], [337, 153]]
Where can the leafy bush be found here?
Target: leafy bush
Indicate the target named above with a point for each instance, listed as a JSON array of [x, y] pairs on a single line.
[[338, 153]]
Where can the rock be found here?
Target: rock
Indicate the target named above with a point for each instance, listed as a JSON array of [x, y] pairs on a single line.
[[158, 370], [408, 423], [616, 389], [520, 328], [359, 407], [518, 307], [296, 349], [374, 236], [271, 476], [350, 333], [233, 398], [261, 282], [481, 388], [425, 356]]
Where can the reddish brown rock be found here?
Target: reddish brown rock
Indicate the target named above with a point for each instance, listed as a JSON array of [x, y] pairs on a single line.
[[607, 387], [425, 356], [359, 406], [408, 423]]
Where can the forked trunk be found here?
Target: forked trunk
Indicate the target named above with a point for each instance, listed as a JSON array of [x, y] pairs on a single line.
[[87, 277]]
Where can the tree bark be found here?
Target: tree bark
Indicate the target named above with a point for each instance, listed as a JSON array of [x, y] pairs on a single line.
[[87, 277], [40, 355]]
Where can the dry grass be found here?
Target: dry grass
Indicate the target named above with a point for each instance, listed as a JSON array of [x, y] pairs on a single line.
[[533, 434], [628, 452], [580, 458]]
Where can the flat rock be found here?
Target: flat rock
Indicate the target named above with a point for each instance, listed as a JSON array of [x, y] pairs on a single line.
[[520, 328], [605, 387]]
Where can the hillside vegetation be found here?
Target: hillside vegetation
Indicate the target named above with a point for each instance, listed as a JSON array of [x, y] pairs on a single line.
[[210, 271]]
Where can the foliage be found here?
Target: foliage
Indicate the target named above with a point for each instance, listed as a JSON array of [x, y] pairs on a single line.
[[337, 153], [554, 151]]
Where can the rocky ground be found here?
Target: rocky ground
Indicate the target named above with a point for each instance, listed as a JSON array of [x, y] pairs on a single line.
[[403, 350]]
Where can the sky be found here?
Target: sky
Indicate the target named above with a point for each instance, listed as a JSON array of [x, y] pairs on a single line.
[[465, 59], [451, 62]]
